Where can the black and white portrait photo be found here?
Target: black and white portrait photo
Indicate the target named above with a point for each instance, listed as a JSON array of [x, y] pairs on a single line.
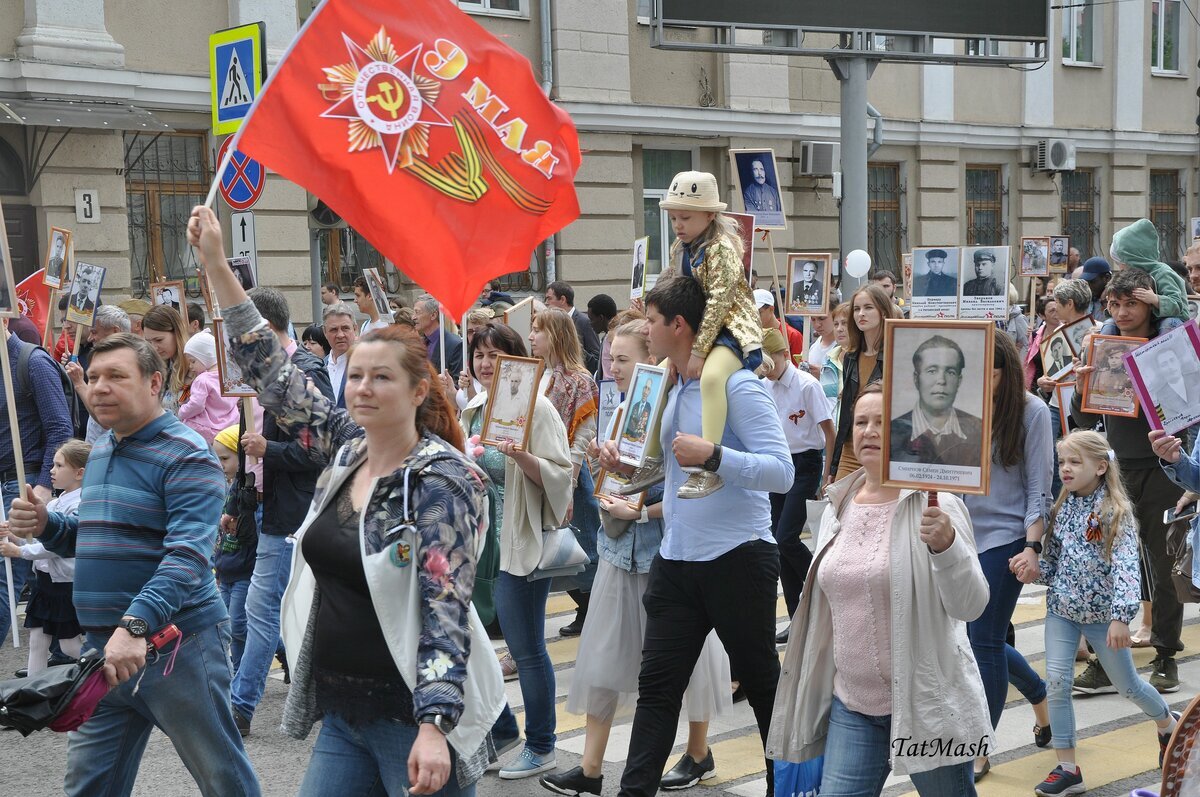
[[510, 400], [935, 282], [808, 283], [937, 403], [378, 292], [242, 267], [56, 258], [1060, 250], [1035, 257], [167, 293], [758, 183], [984, 280], [1057, 356], [1166, 377], [1194, 308], [85, 293], [1076, 333], [637, 280]]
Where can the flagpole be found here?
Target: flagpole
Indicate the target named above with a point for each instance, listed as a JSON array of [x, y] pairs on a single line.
[[442, 336], [13, 424], [216, 183]]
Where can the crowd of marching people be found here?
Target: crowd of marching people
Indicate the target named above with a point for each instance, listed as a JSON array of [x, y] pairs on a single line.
[[351, 522]]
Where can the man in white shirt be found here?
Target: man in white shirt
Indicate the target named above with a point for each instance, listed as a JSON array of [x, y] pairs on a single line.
[[339, 329], [808, 427], [818, 352], [366, 304]]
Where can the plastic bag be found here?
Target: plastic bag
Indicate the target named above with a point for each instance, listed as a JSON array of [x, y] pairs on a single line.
[[799, 780]]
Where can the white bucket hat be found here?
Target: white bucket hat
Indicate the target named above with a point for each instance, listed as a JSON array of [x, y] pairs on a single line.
[[693, 191]]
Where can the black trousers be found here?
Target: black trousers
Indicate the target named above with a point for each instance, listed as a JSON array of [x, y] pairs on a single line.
[[735, 594], [789, 513], [1151, 492]]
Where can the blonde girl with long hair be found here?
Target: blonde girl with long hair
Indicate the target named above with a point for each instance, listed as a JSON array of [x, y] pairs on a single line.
[[162, 327], [1090, 568], [708, 248]]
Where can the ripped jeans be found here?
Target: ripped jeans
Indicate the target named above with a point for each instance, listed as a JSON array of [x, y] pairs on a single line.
[[1062, 637]]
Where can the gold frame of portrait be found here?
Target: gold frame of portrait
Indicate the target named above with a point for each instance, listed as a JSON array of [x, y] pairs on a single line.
[[1085, 381], [1062, 269], [65, 274], [826, 261], [1021, 270], [988, 330], [485, 437]]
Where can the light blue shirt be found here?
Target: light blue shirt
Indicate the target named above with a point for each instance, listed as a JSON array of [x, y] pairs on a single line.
[[755, 461], [1186, 474]]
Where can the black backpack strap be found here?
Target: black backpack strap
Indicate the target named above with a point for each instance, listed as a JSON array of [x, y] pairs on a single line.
[[23, 380]]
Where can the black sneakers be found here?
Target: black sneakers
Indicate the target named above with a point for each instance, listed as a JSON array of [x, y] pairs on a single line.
[[572, 783], [688, 772], [243, 724]]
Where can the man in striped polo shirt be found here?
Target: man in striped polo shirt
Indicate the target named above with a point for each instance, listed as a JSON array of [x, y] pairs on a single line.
[[147, 523]]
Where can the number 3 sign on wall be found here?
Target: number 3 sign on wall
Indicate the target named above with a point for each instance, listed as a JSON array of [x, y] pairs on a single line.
[[87, 206]]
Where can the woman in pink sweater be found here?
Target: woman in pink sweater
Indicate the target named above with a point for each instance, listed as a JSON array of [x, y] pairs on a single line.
[[206, 410]]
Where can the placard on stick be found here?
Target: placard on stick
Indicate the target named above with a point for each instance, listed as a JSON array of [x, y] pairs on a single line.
[[84, 296]]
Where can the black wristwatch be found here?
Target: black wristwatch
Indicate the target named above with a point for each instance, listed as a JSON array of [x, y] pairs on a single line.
[[439, 721], [1035, 545], [136, 626], [713, 462]]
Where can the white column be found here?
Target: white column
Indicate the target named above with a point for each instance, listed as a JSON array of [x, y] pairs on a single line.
[[68, 32], [280, 17], [1132, 63]]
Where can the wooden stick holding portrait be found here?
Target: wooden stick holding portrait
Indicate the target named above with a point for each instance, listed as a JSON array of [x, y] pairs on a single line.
[[937, 404], [508, 415]]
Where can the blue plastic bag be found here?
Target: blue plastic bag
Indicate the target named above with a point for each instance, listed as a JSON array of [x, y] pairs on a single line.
[[799, 780]]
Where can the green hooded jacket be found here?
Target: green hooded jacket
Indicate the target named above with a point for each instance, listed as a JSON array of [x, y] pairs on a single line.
[[1137, 247]]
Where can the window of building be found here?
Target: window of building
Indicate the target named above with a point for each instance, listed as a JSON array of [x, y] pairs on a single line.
[[1079, 218], [1164, 35], [886, 232], [166, 175], [985, 206], [344, 254], [983, 47], [1166, 211], [658, 167], [505, 7], [1079, 32]]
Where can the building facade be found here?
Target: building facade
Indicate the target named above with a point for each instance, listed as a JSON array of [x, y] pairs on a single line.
[[112, 99]]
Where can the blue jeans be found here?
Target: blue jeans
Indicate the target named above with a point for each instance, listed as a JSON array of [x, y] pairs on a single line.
[[234, 596], [22, 569], [1062, 637], [1025, 678], [856, 760], [272, 568], [521, 607], [371, 761], [191, 706], [988, 631]]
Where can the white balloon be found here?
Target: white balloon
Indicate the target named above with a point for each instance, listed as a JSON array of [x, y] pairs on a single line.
[[858, 263]]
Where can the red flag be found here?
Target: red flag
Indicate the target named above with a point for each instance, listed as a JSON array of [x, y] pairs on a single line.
[[33, 299], [426, 134]]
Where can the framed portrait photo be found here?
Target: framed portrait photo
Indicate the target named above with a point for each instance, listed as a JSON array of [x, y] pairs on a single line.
[[608, 485], [641, 411], [757, 182], [57, 266], [520, 317], [1166, 378], [243, 268], [1035, 254], [745, 224], [84, 296], [937, 404], [1195, 227], [935, 282], [984, 280], [1057, 356], [610, 405], [1060, 253], [167, 293], [378, 293], [1108, 390], [1063, 393], [906, 266], [1076, 332], [637, 282], [808, 278], [1194, 308], [8, 285], [508, 416], [233, 384]]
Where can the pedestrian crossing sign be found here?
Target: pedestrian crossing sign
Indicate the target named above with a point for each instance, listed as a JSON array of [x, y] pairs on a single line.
[[237, 68]]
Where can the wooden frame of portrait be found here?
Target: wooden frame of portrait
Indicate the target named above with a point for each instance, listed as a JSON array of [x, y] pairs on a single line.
[[632, 449], [520, 317], [796, 259], [8, 284], [180, 292], [74, 314], [1088, 402], [1058, 374], [1076, 331], [232, 384], [64, 273], [735, 170], [1063, 392], [1024, 269], [516, 430], [1058, 268], [1185, 337], [973, 478]]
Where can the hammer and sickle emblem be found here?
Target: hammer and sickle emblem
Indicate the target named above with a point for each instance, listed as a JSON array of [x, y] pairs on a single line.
[[386, 102]]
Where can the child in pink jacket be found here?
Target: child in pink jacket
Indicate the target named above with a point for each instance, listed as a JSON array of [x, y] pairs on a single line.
[[206, 410]]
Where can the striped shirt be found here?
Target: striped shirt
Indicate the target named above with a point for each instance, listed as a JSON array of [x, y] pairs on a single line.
[[146, 527]]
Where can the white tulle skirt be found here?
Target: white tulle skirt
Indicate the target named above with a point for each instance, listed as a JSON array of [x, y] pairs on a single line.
[[605, 681]]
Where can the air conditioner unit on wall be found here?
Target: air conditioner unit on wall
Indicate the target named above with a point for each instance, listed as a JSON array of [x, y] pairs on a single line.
[[1054, 155], [322, 217], [819, 159]]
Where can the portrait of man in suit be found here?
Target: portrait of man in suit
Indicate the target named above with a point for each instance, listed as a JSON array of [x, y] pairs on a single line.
[[984, 283], [1058, 357], [1178, 390], [85, 290], [58, 255], [935, 431], [936, 281], [638, 424]]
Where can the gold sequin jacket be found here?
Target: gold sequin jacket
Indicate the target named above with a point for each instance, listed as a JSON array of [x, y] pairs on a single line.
[[730, 303]]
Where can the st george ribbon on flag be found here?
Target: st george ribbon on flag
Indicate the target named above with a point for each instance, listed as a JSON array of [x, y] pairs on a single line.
[[426, 134]]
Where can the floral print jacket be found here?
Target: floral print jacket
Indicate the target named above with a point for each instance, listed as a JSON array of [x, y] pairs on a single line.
[[447, 501], [1083, 586]]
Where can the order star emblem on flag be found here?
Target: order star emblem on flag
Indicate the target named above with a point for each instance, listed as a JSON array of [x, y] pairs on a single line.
[[389, 106]]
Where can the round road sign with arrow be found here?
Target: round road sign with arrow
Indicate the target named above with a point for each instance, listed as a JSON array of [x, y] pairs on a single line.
[[243, 180]]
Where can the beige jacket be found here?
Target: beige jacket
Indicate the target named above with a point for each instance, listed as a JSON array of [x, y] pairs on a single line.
[[937, 695], [528, 508]]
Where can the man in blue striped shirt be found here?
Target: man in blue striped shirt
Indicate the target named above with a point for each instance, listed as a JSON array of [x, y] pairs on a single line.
[[147, 523]]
